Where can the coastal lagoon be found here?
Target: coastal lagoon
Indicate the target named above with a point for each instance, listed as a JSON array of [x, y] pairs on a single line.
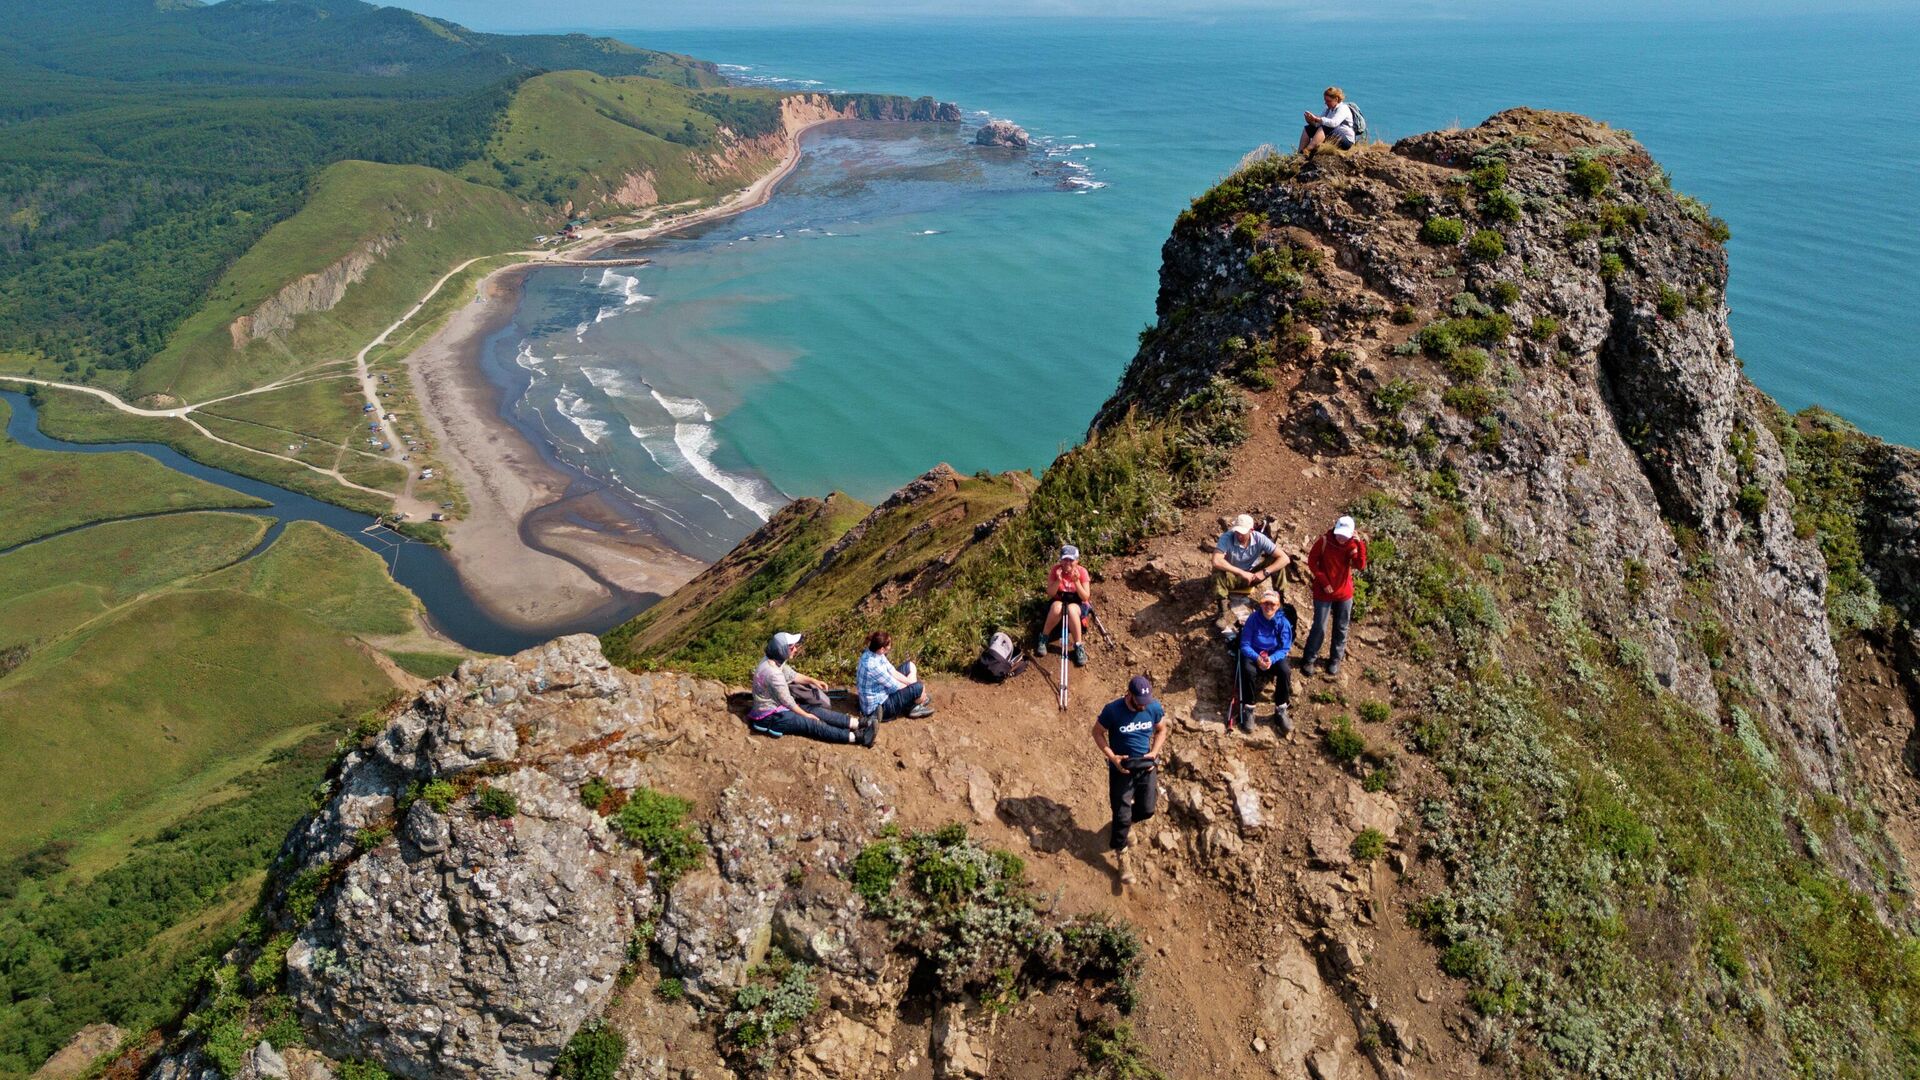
[[906, 299]]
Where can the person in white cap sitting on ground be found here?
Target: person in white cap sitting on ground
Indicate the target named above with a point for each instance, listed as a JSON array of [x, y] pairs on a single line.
[[776, 712], [1333, 559], [1243, 561], [1069, 594]]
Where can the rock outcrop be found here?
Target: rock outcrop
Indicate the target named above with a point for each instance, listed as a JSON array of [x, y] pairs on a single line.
[[1625, 435], [309, 294], [1003, 133]]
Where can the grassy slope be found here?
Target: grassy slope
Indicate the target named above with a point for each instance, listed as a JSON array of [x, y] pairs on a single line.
[[573, 135], [49, 588], [47, 491], [158, 691], [433, 222], [316, 571]]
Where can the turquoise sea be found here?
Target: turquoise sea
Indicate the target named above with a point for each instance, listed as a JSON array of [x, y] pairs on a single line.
[[907, 299]]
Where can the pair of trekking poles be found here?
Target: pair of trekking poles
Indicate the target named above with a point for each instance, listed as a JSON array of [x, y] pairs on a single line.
[[1094, 618]]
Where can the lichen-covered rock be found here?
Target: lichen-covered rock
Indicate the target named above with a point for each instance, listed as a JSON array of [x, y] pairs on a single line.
[[718, 923], [467, 944]]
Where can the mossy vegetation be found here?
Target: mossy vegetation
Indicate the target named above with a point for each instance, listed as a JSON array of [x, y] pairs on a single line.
[[1620, 868], [976, 927]]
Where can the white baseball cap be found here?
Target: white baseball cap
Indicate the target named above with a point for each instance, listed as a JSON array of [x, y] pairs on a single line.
[[1068, 551], [1243, 524], [1343, 528]]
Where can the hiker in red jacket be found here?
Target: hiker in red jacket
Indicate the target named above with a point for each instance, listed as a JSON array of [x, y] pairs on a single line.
[[1332, 560]]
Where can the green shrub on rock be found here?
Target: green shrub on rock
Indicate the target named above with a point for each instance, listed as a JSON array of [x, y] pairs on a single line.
[[594, 1053], [1590, 178], [1444, 231], [1368, 845], [495, 802], [651, 821], [1486, 245]]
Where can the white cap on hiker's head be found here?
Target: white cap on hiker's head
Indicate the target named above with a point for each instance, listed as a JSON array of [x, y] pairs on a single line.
[[1270, 595], [786, 641], [1243, 525], [1068, 551], [1343, 528]]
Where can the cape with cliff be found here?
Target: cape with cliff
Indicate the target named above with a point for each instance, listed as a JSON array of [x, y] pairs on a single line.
[[1617, 781]]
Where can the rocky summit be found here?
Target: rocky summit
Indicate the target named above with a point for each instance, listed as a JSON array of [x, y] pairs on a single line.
[[1616, 780]]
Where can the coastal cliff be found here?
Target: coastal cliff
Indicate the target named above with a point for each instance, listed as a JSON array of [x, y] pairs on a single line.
[[1618, 780]]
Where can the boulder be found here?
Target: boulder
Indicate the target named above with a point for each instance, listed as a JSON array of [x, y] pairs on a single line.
[[1003, 133]]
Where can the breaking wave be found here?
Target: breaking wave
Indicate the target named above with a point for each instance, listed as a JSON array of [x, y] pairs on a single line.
[[573, 408]]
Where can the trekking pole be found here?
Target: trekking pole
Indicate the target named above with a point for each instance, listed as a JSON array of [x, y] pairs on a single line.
[[1105, 634], [1063, 658]]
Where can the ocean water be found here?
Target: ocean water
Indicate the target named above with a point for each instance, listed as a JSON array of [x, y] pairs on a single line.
[[907, 299]]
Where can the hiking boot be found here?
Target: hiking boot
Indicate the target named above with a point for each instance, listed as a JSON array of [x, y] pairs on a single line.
[[868, 733], [1079, 655], [1306, 666], [1226, 609], [1333, 666], [1123, 859], [1246, 719], [1282, 720], [1040, 647], [920, 711]]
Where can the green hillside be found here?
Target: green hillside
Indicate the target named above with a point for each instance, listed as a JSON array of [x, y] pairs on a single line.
[[413, 223], [149, 146], [573, 136], [831, 568]]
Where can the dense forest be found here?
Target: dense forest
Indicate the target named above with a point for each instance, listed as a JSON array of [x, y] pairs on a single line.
[[145, 145]]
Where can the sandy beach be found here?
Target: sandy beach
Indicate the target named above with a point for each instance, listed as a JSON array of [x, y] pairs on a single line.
[[521, 550]]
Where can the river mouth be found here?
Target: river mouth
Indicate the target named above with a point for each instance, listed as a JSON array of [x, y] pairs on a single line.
[[423, 569]]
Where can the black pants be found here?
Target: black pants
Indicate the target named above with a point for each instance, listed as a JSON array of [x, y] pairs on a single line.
[[1133, 797], [1253, 681]]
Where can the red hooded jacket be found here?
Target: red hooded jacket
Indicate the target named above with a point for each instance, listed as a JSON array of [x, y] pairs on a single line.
[[1333, 561]]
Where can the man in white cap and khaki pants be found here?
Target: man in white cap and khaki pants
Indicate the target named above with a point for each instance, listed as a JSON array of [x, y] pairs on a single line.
[[1332, 560], [1243, 562]]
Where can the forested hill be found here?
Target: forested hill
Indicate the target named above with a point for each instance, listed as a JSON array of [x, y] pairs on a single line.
[[145, 145]]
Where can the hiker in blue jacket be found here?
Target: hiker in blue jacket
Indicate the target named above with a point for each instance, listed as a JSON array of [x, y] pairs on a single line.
[[1264, 642]]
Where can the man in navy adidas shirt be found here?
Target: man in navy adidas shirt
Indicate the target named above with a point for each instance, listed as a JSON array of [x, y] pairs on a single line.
[[1130, 734]]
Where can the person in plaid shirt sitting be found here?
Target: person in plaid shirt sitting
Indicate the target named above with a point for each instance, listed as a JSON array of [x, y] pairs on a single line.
[[886, 692]]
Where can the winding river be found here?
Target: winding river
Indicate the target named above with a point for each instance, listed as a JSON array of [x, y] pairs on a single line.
[[422, 568]]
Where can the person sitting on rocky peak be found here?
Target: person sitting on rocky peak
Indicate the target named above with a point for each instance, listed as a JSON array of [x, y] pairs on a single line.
[[1264, 643], [1243, 560], [1332, 561], [1335, 124], [1070, 595], [888, 692], [776, 712]]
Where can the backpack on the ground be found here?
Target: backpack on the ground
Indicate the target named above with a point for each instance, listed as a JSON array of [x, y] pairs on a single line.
[[1000, 660], [1359, 122]]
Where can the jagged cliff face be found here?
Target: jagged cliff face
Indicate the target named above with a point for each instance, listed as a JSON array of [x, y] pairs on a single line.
[[1617, 429]]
